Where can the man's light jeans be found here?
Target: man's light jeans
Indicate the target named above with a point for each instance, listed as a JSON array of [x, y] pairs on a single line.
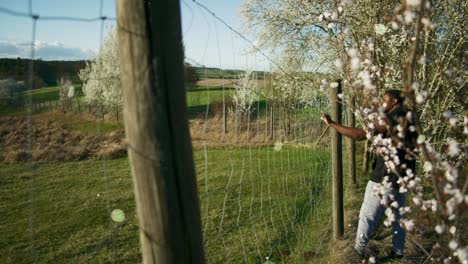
[[369, 217]]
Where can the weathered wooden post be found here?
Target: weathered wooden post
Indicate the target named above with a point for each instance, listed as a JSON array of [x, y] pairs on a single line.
[[351, 142], [117, 114], [102, 111], [155, 114], [365, 159], [272, 123], [337, 164], [79, 107], [224, 112]]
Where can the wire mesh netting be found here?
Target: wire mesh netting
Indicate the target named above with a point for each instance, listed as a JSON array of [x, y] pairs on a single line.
[[263, 169]]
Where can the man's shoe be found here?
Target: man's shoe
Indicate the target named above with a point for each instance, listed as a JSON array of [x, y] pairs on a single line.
[[393, 255]]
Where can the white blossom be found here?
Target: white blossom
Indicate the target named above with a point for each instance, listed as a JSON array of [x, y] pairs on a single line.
[[101, 76], [413, 3], [409, 16], [453, 121], [408, 224], [462, 254], [452, 230], [339, 63], [440, 229], [453, 245], [380, 29], [453, 149], [355, 63]]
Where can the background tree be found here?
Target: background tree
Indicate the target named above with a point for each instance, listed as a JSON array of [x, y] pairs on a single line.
[[416, 46], [190, 74], [245, 95], [101, 81]]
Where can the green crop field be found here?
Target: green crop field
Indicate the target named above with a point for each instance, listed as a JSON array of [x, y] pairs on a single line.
[[255, 202], [50, 93]]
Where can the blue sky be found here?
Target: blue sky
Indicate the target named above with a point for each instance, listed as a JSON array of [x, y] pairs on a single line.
[[207, 41]]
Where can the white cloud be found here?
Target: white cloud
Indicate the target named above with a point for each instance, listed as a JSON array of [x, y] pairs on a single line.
[[44, 50]]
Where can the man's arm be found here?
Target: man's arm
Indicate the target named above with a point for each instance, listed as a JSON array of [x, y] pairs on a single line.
[[351, 132]]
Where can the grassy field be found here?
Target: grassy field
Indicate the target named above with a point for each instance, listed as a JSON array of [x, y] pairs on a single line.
[[37, 95], [255, 203], [197, 98], [59, 213], [50, 93], [224, 74]]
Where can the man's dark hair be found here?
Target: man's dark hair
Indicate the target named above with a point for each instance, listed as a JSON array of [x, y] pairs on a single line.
[[396, 94]]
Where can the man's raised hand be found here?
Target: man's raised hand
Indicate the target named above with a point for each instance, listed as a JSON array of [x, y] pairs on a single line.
[[327, 119]]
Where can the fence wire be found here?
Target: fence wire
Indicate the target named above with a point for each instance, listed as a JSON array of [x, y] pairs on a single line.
[[263, 178]]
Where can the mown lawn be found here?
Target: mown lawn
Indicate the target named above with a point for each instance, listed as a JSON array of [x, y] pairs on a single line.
[[255, 203]]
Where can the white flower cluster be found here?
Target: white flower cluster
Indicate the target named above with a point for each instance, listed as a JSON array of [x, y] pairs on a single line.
[[101, 80], [246, 93]]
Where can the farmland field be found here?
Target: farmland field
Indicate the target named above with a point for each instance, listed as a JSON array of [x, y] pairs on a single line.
[[50, 93], [258, 199], [260, 203]]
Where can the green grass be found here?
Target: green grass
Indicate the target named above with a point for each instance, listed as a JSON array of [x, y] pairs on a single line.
[[271, 208], [198, 97], [45, 94], [50, 93], [58, 213], [277, 206], [92, 127], [223, 74], [10, 110]]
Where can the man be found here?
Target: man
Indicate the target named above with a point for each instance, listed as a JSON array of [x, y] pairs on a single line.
[[395, 126]]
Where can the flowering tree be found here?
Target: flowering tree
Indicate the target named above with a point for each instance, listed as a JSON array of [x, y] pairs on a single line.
[[291, 87], [418, 48], [245, 95], [101, 81]]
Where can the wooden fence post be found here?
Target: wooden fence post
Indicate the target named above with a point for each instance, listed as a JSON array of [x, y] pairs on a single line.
[[156, 124], [224, 112], [351, 143], [102, 111], [117, 114], [272, 125], [337, 164], [365, 159]]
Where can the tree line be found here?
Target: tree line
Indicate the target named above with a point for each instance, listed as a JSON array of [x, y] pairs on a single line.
[[46, 73]]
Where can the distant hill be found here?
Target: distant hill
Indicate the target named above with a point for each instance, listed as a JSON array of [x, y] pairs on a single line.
[[46, 73]]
